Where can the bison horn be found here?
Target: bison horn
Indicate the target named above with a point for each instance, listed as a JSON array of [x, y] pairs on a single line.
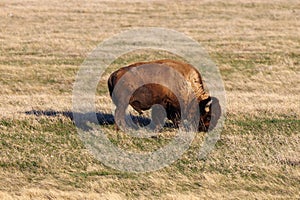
[[207, 106]]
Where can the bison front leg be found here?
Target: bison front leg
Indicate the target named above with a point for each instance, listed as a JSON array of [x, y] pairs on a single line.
[[176, 120], [158, 116], [174, 115]]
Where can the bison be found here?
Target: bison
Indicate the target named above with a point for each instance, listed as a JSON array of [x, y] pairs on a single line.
[[149, 94]]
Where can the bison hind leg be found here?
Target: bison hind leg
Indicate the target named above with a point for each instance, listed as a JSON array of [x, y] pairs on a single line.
[[158, 116]]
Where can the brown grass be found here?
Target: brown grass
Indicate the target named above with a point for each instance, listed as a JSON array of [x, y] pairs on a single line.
[[255, 43]]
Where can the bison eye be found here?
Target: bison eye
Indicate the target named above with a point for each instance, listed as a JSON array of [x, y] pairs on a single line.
[[208, 118]]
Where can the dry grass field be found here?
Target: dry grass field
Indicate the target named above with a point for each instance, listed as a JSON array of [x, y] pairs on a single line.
[[255, 44]]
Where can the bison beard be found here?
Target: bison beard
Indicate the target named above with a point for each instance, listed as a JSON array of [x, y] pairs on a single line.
[[148, 95]]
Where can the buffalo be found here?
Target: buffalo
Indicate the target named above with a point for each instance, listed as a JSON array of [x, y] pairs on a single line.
[[149, 94]]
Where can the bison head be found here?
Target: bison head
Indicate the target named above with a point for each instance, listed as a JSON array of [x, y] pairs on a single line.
[[210, 112]]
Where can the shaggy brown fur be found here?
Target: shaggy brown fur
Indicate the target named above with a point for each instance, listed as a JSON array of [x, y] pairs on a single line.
[[150, 94]]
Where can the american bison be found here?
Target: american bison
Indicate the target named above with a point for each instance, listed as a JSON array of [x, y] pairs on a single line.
[[149, 94]]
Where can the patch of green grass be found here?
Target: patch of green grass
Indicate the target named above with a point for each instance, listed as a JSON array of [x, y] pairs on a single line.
[[27, 62], [39, 143], [126, 142], [284, 126], [244, 62], [6, 123], [93, 173], [256, 150]]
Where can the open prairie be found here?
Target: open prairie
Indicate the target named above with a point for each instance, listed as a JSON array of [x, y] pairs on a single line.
[[255, 44]]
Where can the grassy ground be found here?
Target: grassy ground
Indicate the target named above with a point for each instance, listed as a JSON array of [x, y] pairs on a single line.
[[255, 43]]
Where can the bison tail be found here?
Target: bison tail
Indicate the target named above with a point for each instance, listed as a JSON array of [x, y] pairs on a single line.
[[112, 82]]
